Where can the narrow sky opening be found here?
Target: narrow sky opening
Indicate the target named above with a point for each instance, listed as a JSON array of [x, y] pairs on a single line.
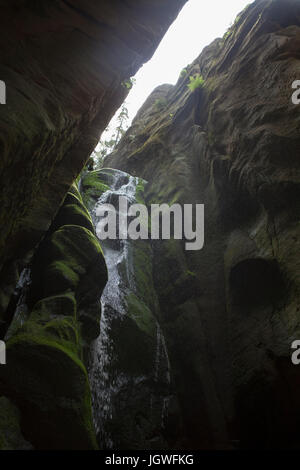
[[197, 25]]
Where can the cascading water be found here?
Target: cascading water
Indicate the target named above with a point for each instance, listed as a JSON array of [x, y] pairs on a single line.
[[118, 392]]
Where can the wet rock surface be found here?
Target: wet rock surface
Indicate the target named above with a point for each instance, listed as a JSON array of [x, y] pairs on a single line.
[[230, 311], [55, 321], [129, 366], [67, 68], [143, 344]]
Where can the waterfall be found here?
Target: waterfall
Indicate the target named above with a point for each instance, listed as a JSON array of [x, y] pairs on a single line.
[[162, 369], [103, 384], [110, 382]]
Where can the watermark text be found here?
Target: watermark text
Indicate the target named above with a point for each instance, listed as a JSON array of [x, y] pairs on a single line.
[[2, 353], [296, 94], [162, 222], [2, 92]]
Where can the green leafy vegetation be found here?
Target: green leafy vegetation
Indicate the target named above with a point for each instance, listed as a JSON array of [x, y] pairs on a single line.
[[129, 83], [106, 146], [183, 72], [196, 81], [228, 33]]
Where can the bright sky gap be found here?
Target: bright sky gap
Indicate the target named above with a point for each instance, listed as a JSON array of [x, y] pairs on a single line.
[[197, 25]]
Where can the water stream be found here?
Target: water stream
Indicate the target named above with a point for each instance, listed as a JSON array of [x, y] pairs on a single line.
[[113, 388]]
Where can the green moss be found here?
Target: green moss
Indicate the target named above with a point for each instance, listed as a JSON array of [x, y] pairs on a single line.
[[183, 72], [160, 104], [61, 332], [74, 214], [58, 277], [76, 246], [196, 81], [47, 377], [140, 189], [106, 175], [65, 329], [134, 339], [91, 180], [141, 315], [93, 186], [57, 305], [70, 279], [73, 199], [142, 263], [227, 34], [73, 191]]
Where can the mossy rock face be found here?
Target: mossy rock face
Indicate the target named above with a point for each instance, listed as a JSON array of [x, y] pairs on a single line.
[[105, 176], [94, 184], [48, 381], [229, 310], [73, 191], [77, 246], [134, 337], [138, 378], [45, 375], [140, 370], [64, 329], [141, 315], [11, 437], [74, 214], [89, 318], [74, 197], [140, 191], [74, 268], [55, 306], [142, 262], [74, 262], [58, 277]]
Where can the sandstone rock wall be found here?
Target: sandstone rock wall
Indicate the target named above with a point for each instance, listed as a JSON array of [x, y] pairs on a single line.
[[56, 316], [230, 311], [63, 63], [134, 402]]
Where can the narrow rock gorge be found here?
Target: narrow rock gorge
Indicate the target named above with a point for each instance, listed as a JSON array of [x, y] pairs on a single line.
[[142, 344]]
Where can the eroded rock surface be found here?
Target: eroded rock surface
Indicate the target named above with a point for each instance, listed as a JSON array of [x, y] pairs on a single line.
[[66, 65], [56, 316], [134, 404], [230, 311]]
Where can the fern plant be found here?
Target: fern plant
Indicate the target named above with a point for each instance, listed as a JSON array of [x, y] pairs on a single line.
[[196, 81]]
